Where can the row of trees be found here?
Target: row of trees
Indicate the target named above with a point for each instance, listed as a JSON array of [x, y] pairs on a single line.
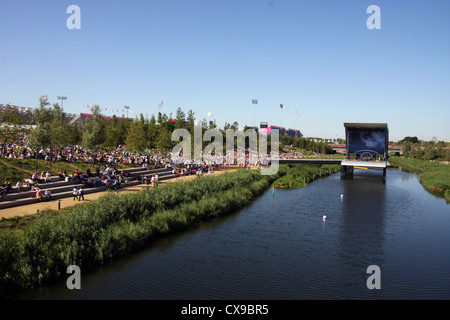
[[12, 122], [307, 144], [52, 130], [426, 150]]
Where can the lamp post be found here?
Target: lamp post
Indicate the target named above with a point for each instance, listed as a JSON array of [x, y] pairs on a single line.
[[127, 107], [62, 99], [255, 102]]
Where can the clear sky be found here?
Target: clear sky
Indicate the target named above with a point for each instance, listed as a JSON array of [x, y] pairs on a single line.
[[316, 57]]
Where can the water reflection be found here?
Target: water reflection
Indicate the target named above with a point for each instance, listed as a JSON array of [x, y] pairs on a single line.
[[362, 232]]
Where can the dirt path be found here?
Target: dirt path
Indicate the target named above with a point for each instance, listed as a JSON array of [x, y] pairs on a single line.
[[31, 209]]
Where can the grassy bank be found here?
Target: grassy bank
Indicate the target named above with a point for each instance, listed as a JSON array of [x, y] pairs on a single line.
[[298, 175], [115, 225], [434, 176]]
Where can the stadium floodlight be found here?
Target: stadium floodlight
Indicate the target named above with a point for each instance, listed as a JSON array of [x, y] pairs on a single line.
[[62, 99]]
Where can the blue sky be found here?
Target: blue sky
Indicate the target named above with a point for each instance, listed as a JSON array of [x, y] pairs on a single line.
[[214, 56]]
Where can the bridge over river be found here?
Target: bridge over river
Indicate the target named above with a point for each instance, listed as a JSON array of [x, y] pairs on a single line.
[[347, 166]]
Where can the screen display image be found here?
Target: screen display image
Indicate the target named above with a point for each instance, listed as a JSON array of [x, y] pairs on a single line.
[[367, 143]]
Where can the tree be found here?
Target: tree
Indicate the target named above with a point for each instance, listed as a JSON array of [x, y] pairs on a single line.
[[28, 117], [12, 123], [191, 118], [160, 119], [212, 124], [410, 139], [76, 134], [152, 133], [164, 140], [40, 136], [11, 115], [406, 149], [94, 134], [233, 126], [181, 119], [59, 129], [116, 132], [135, 140], [429, 152]]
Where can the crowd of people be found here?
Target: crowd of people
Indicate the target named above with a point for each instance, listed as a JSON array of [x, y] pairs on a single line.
[[179, 165], [19, 149], [110, 177]]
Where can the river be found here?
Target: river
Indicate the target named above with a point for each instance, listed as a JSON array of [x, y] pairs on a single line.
[[280, 248]]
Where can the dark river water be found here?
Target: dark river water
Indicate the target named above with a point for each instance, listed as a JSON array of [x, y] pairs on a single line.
[[280, 248]]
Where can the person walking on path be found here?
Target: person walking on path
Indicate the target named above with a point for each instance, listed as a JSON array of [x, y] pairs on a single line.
[[153, 181], [75, 193], [80, 194]]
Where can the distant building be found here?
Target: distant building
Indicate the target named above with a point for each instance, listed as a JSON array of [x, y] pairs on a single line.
[[339, 148], [25, 110], [395, 149], [281, 131], [82, 117], [22, 110]]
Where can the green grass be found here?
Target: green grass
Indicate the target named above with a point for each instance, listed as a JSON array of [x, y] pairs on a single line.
[[331, 156], [299, 175], [434, 176], [39, 252]]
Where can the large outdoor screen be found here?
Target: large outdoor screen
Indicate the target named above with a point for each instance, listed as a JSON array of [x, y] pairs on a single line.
[[368, 142]]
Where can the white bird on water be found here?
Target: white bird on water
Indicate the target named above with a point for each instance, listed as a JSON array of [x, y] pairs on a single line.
[[324, 217]]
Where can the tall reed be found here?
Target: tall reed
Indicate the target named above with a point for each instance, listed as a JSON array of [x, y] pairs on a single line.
[[434, 176], [115, 225]]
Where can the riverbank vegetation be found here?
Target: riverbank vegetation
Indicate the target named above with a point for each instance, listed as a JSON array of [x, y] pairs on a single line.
[[412, 147], [299, 175], [115, 225], [434, 176], [306, 145]]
